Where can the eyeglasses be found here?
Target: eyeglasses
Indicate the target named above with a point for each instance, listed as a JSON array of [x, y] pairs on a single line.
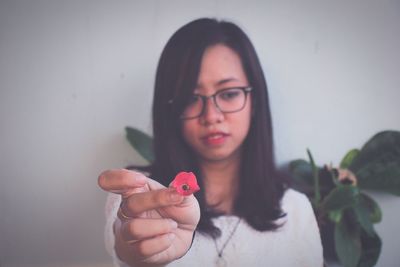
[[227, 100]]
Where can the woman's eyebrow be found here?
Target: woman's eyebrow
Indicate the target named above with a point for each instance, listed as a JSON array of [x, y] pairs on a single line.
[[220, 82], [223, 81]]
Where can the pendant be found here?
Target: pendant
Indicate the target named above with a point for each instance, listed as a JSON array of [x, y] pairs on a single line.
[[220, 262]]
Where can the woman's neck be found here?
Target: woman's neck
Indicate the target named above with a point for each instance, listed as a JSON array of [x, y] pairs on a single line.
[[221, 181]]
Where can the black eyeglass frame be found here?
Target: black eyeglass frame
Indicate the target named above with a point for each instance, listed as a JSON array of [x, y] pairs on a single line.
[[245, 89]]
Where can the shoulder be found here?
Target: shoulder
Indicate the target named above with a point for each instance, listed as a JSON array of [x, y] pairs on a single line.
[[292, 198], [297, 206]]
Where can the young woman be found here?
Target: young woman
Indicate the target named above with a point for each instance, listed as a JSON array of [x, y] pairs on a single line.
[[210, 116]]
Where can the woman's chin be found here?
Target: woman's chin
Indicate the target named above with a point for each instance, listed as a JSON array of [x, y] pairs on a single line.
[[218, 156]]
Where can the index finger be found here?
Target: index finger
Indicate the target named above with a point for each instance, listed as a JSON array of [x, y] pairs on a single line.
[[138, 203], [121, 181]]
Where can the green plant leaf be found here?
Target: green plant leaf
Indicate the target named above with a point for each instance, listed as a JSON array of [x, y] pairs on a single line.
[[301, 171], [347, 242], [339, 198], [335, 215], [348, 158], [383, 144], [301, 174], [315, 172], [377, 166], [141, 142], [371, 249], [380, 175], [362, 215], [375, 213]]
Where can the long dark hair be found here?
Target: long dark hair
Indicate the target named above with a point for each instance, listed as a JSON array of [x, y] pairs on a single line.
[[261, 186]]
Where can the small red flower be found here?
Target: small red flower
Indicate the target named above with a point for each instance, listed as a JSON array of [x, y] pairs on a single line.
[[185, 183]]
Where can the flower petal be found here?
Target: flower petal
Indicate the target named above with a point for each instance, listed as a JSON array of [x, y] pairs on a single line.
[[185, 183]]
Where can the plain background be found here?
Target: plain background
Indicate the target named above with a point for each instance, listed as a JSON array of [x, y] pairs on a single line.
[[73, 74]]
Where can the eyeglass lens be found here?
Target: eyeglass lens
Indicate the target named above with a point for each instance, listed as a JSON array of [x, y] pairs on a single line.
[[226, 100]]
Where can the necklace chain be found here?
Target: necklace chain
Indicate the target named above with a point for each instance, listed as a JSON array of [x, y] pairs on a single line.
[[221, 251]]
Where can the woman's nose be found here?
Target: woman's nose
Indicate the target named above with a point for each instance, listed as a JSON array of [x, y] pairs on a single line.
[[211, 113]]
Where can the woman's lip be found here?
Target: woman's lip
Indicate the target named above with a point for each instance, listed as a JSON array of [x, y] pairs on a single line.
[[214, 135], [216, 138]]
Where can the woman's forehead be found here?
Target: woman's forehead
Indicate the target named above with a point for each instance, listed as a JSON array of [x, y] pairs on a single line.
[[221, 66]]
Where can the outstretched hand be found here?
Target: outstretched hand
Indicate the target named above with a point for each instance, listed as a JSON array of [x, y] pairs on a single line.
[[156, 224]]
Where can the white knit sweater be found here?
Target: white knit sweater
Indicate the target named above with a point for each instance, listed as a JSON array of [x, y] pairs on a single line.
[[297, 243]]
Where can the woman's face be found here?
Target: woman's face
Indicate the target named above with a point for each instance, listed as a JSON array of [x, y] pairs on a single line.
[[216, 136]]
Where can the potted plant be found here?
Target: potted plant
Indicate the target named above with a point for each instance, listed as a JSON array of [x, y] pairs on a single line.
[[345, 213]]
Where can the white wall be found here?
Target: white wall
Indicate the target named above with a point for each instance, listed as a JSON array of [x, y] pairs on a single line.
[[73, 74]]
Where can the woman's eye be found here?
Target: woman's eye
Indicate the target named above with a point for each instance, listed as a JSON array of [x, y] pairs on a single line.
[[229, 94]]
